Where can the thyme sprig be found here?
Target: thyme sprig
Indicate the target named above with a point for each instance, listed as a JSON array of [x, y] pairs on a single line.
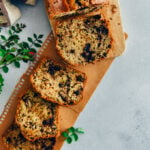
[[13, 50]]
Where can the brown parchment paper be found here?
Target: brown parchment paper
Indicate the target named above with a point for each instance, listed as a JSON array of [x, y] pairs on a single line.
[[68, 115]]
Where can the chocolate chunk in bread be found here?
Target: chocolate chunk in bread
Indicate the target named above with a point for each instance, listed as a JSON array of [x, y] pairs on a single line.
[[14, 140], [82, 40], [36, 117], [58, 83]]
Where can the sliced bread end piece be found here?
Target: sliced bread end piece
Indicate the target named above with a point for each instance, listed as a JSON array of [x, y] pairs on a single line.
[[14, 140]]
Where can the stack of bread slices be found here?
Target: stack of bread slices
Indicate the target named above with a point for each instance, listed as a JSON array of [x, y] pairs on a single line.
[[83, 35]]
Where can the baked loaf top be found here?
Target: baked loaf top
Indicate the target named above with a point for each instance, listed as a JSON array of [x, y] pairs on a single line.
[[79, 4], [84, 39], [14, 140], [36, 117], [57, 83]]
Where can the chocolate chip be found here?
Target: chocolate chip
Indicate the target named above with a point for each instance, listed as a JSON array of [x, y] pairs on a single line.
[[109, 46], [52, 69], [61, 85], [8, 140], [36, 94], [41, 130], [57, 68], [25, 98], [87, 21], [78, 2], [97, 17], [99, 37], [53, 140], [87, 47], [21, 137], [104, 54], [77, 92], [80, 78], [88, 56], [103, 30], [50, 121], [71, 102], [72, 51], [44, 122]]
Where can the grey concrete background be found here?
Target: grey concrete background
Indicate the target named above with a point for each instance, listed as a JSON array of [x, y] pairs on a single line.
[[118, 114]]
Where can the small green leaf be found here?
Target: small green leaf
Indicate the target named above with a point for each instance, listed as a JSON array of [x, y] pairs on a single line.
[[10, 32], [5, 69], [25, 57], [37, 45], [1, 79], [69, 140], [17, 64], [39, 41], [2, 52], [80, 130], [13, 37], [75, 136], [25, 45], [9, 57], [1, 83], [32, 50], [71, 130], [25, 50], [25, 60], [13, 28], [40, 36], [16, 41], [65, 134], [3, 37], [20, 45], [30, 39], [35, 36]]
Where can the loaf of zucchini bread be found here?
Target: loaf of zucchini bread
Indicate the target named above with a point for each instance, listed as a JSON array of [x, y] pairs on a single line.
[[14, 140], [83, 39], [58, 83], [36, 117]]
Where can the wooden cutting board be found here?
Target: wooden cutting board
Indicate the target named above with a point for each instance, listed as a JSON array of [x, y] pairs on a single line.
[[68, 115]]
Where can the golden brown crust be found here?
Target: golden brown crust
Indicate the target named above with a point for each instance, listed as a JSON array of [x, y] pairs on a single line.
[[43, 137], [66, 66]]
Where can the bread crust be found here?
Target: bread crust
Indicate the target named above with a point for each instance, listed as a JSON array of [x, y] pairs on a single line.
[[65, 66], [57, 116]]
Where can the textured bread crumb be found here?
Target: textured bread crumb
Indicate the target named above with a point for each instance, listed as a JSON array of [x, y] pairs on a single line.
[[83, 40], [59, 84], [14, 140], [36, 117]]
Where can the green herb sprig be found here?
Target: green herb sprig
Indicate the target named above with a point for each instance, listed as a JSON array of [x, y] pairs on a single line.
[[13, 50], [72, 134]]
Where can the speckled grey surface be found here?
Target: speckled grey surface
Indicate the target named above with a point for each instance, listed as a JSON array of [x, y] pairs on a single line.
[[118, 114]]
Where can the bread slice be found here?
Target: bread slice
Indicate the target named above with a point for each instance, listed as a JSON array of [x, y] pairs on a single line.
[[110, 13], [57, 83], [36, 117], [83, 39], [14, 140]]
